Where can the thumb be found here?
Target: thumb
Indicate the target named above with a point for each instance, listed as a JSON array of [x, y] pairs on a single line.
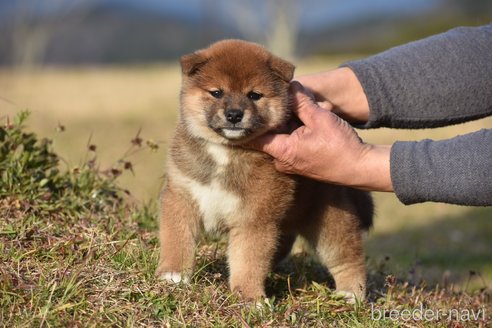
[[270, 143], [304, 106]]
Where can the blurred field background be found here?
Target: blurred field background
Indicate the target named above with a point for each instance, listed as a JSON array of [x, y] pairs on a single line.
[[104, 82]]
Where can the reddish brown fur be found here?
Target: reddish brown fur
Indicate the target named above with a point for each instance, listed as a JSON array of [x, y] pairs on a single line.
[[211, 179]]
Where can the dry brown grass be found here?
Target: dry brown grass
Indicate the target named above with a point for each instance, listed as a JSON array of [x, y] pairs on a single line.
[[433, 242]]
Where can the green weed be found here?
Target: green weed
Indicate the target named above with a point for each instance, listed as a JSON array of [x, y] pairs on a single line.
[[76, 251]]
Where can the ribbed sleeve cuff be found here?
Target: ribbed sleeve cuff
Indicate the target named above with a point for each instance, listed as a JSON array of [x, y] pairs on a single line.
[[455, 171], [404, 177], [373, 90]]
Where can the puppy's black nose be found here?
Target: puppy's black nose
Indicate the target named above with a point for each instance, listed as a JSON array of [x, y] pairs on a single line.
[[234, 115]]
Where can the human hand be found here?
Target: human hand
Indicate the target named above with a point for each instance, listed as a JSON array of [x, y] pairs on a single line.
[[339, 91], [326, 148]]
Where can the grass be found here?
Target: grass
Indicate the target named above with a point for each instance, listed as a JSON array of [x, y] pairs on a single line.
[[76, 250]]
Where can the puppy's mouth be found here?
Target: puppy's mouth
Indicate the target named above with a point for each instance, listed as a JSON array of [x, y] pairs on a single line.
[[238, 131], [233, 133]]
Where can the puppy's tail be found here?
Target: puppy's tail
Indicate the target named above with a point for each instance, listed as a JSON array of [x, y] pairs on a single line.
[[364, 207]]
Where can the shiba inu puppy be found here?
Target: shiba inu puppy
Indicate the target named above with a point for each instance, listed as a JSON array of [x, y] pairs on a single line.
[[232, 92]]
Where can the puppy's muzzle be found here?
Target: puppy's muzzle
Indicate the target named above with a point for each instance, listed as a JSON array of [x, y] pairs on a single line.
[[234, 115]]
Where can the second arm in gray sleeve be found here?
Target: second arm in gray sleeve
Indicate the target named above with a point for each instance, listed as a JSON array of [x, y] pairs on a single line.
[[441, 80], [457, 171]]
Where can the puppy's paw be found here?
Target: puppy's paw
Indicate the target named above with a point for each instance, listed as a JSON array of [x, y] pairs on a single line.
[[349, 297], [249, 292], [260, 304], [263, 304], [174, 277]]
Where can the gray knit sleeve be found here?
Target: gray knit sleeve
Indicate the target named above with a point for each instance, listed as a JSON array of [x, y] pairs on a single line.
[[457, 171], [441, 80]]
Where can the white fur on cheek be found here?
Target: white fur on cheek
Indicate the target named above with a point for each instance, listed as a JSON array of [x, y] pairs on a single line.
[[193, 114]]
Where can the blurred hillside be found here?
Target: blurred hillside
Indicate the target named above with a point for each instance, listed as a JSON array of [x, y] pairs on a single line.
[[375, 33], [34, 33]]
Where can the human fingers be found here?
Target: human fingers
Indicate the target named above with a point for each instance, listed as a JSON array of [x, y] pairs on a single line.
[[311, 83], [304, 106], [314, 84], [270, 143]]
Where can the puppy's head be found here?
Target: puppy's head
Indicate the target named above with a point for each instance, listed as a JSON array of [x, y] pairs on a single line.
[[234, 91]]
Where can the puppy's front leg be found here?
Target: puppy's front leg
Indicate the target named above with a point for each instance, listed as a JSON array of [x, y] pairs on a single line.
[[179, 225], [250, 253]]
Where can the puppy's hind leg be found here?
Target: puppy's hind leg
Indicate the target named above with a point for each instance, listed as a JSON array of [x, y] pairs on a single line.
[[337, 240], [179, 227], [284, 247]]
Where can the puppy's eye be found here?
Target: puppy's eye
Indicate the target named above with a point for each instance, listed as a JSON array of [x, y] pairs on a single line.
[[254, 95], [217, 93]]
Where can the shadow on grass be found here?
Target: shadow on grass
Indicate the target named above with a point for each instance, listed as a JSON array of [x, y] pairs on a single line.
[[452, 249], [449, 249]]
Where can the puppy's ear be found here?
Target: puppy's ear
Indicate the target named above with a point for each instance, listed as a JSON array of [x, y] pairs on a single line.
[[191, 63], [282, 68]]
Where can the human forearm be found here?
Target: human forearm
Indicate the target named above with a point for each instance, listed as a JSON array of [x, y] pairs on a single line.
[[327, 148], [339, 91], [437, 81], [456, 170], [372, 171]]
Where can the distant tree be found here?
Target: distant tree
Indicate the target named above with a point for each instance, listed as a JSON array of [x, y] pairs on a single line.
[[33, 25], [29, 35], [273, 23], [282, 37]]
